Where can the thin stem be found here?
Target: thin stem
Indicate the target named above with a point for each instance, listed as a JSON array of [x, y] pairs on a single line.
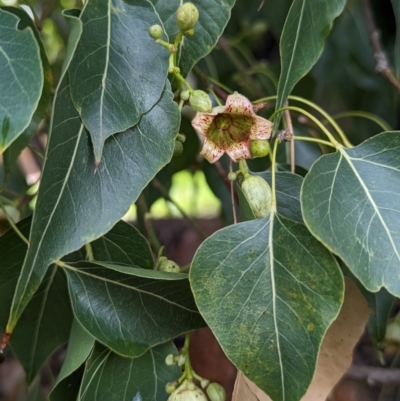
[[221, 85], [288, 119], [222, 174], [12, 224], [151, 233], [232, 195], [157, 184], [316, 140], [312, 118], [89, 252], [273, 172], [364, 114], [215, 97], [36, 152]]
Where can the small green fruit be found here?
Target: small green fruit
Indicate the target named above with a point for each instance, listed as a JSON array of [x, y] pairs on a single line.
[[187, 16], [259, 148], [178, 148], [216, 392], [185, 95], [181, 138], [258, 194], [200, 101], [156, 32], [169, 266]]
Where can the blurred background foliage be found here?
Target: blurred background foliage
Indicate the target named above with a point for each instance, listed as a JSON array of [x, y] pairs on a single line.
[[246, 59]]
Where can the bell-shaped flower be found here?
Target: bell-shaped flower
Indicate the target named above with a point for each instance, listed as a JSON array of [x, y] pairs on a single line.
[[229, 129]]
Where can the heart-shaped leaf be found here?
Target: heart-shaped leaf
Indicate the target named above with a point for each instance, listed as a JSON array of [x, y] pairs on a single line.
[[109, 376], [269, 291], [350, 202], [117, 73], [142, 312], [21, 78], [306, 28]]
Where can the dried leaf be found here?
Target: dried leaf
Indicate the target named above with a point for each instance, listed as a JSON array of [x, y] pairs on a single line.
[[245, 389]]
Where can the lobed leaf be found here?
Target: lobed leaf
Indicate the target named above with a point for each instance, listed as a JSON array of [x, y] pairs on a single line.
[[268, 290], [350, 202]]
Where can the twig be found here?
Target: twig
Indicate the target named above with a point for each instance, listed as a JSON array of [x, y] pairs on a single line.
[[12, 224], [164, 192], [374, 375], [382, 65]]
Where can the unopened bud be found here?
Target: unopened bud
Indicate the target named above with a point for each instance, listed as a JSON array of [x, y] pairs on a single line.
[[187, 16], [170, 360], [156, 32], [216, 392], [200, 101], [169, 266]]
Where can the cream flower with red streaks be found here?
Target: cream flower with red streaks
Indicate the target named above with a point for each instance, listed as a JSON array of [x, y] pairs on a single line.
[[229, 129]]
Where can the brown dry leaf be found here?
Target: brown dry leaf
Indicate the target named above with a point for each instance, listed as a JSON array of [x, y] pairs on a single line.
[[335, 354], [337, 347]]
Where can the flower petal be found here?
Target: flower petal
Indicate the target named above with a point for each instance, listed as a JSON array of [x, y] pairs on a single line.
[[202, 122], [261, 128], [239, 104], [239, 151], [211, 152]]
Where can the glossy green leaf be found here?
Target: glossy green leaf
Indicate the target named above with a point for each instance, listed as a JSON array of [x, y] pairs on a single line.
[[80, 345], [75, 205], [21, 78], [46, 322], [396, 9], [306, 28], [118, 72], [111, 377], [130, 313], [124, 245], [12, 152], [350, 202], [268, 290]]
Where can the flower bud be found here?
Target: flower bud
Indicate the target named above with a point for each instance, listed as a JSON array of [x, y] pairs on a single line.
[[259, 148], [216, 392], [181, 360], [170, 360], [189, 32], [181, 138], [185, 95], [232, 176], [169, 266], [188, 391], [258, 194], [200, 101], [171, 387], [392, 335], [187, 16], [204, 383], [178, 148], [156, 32]]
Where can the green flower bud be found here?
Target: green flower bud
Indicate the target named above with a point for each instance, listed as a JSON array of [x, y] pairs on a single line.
[[185, 95], [216, 392], [190, 32], [188, 391], [169, 266], [259, 148], [204, 383], [170, 360], [258, 194], [181, 138], [392, 335], [178, 148], [187, 16], [156, 32], [232, 176], [171, 387], [259, 28], [200, 101], [181, 360]]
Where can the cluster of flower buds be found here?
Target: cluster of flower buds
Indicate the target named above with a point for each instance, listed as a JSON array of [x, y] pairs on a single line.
[[178, 147]]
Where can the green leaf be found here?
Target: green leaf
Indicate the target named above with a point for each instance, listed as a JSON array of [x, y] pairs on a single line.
[[75, 205], [118, 72], [124, 245], [111, 377], [11, 154], [21, 79], [268, 290], [129, 313], [307, 25], [80, 345], [48, 316], [396, 9], [350, 202]]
